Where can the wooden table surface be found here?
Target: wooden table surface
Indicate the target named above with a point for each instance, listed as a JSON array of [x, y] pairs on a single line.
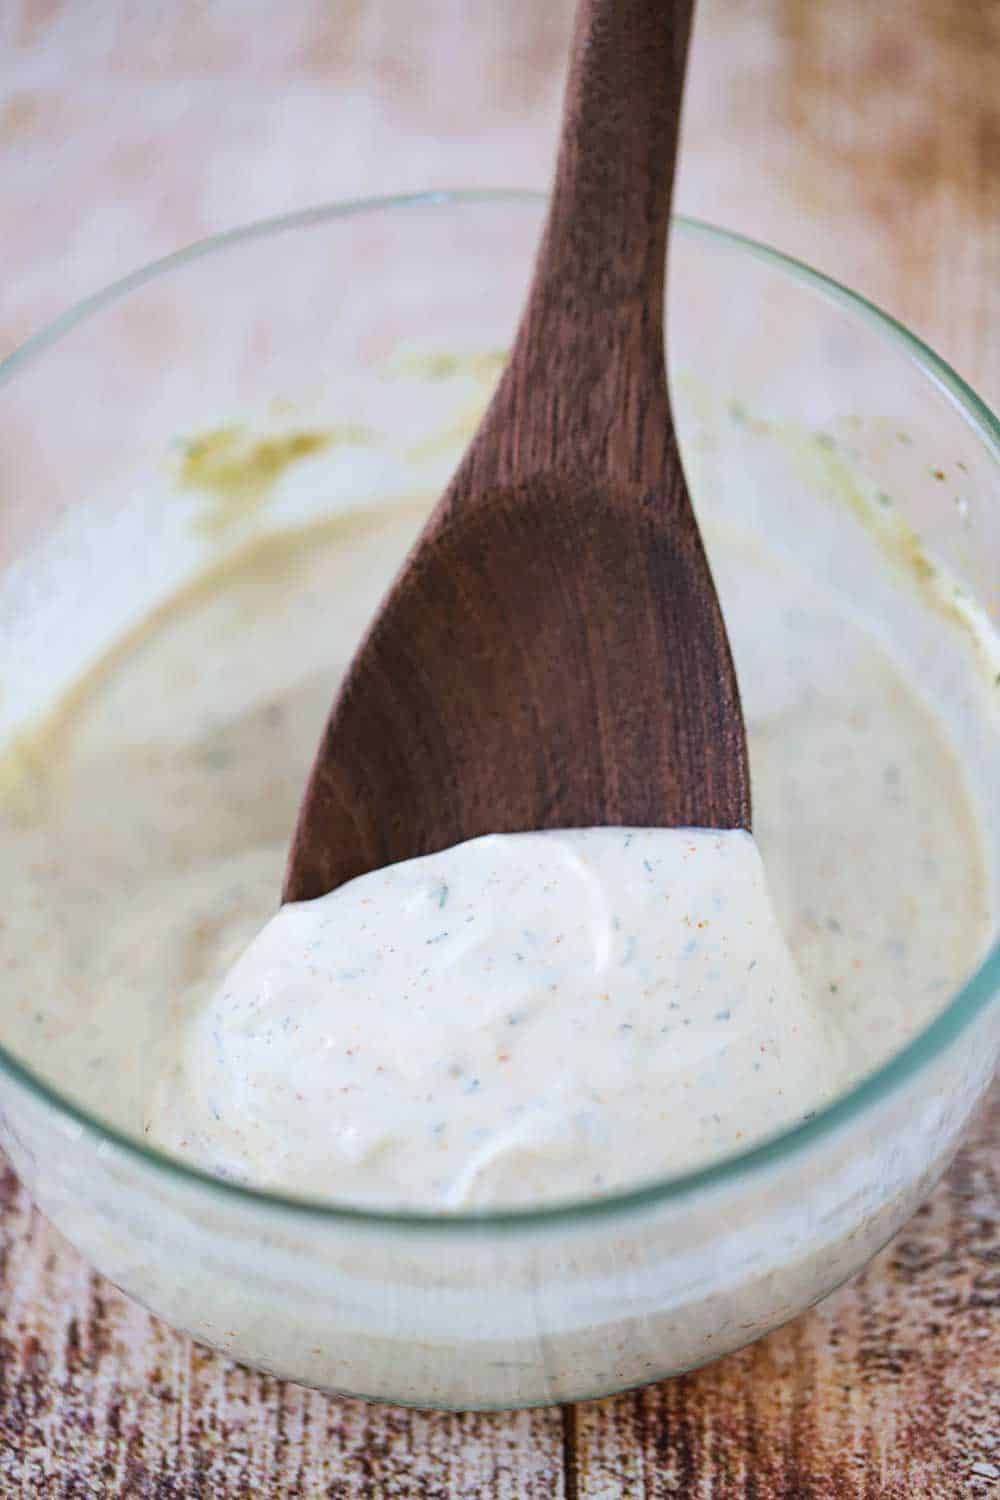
[[864, 138]]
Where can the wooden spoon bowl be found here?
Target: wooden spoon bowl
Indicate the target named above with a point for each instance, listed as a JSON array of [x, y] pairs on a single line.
[[553, 654]]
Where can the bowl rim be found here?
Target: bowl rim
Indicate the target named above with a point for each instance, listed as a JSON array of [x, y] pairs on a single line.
[[966, 1005]]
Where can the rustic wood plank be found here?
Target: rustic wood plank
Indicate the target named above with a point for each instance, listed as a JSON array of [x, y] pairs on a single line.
[[864, 139], [97, 1397], [889, 1388]]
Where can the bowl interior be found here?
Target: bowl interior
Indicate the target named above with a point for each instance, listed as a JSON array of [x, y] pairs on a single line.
[[782, 382]]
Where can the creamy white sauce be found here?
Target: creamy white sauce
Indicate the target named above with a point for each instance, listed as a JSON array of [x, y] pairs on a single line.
[[521, 1017], [143, 830]]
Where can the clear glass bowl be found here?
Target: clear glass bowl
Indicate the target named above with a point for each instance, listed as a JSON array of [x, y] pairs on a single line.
[[471, 1309]]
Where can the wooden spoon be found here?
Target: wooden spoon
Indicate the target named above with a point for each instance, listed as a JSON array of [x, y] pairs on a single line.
[[552, 654]]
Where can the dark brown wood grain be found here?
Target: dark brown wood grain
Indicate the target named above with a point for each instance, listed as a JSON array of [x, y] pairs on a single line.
[[553, 654]]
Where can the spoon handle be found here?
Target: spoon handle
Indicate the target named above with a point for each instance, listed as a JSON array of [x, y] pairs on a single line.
[[586, 375]]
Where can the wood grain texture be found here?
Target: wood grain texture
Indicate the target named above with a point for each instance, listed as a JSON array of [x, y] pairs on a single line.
[[495, 691], [553, 653], [890, 1388], [98, 1398], [860, 137]]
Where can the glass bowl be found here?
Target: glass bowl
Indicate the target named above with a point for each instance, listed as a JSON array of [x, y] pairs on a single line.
[[322, 311]]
